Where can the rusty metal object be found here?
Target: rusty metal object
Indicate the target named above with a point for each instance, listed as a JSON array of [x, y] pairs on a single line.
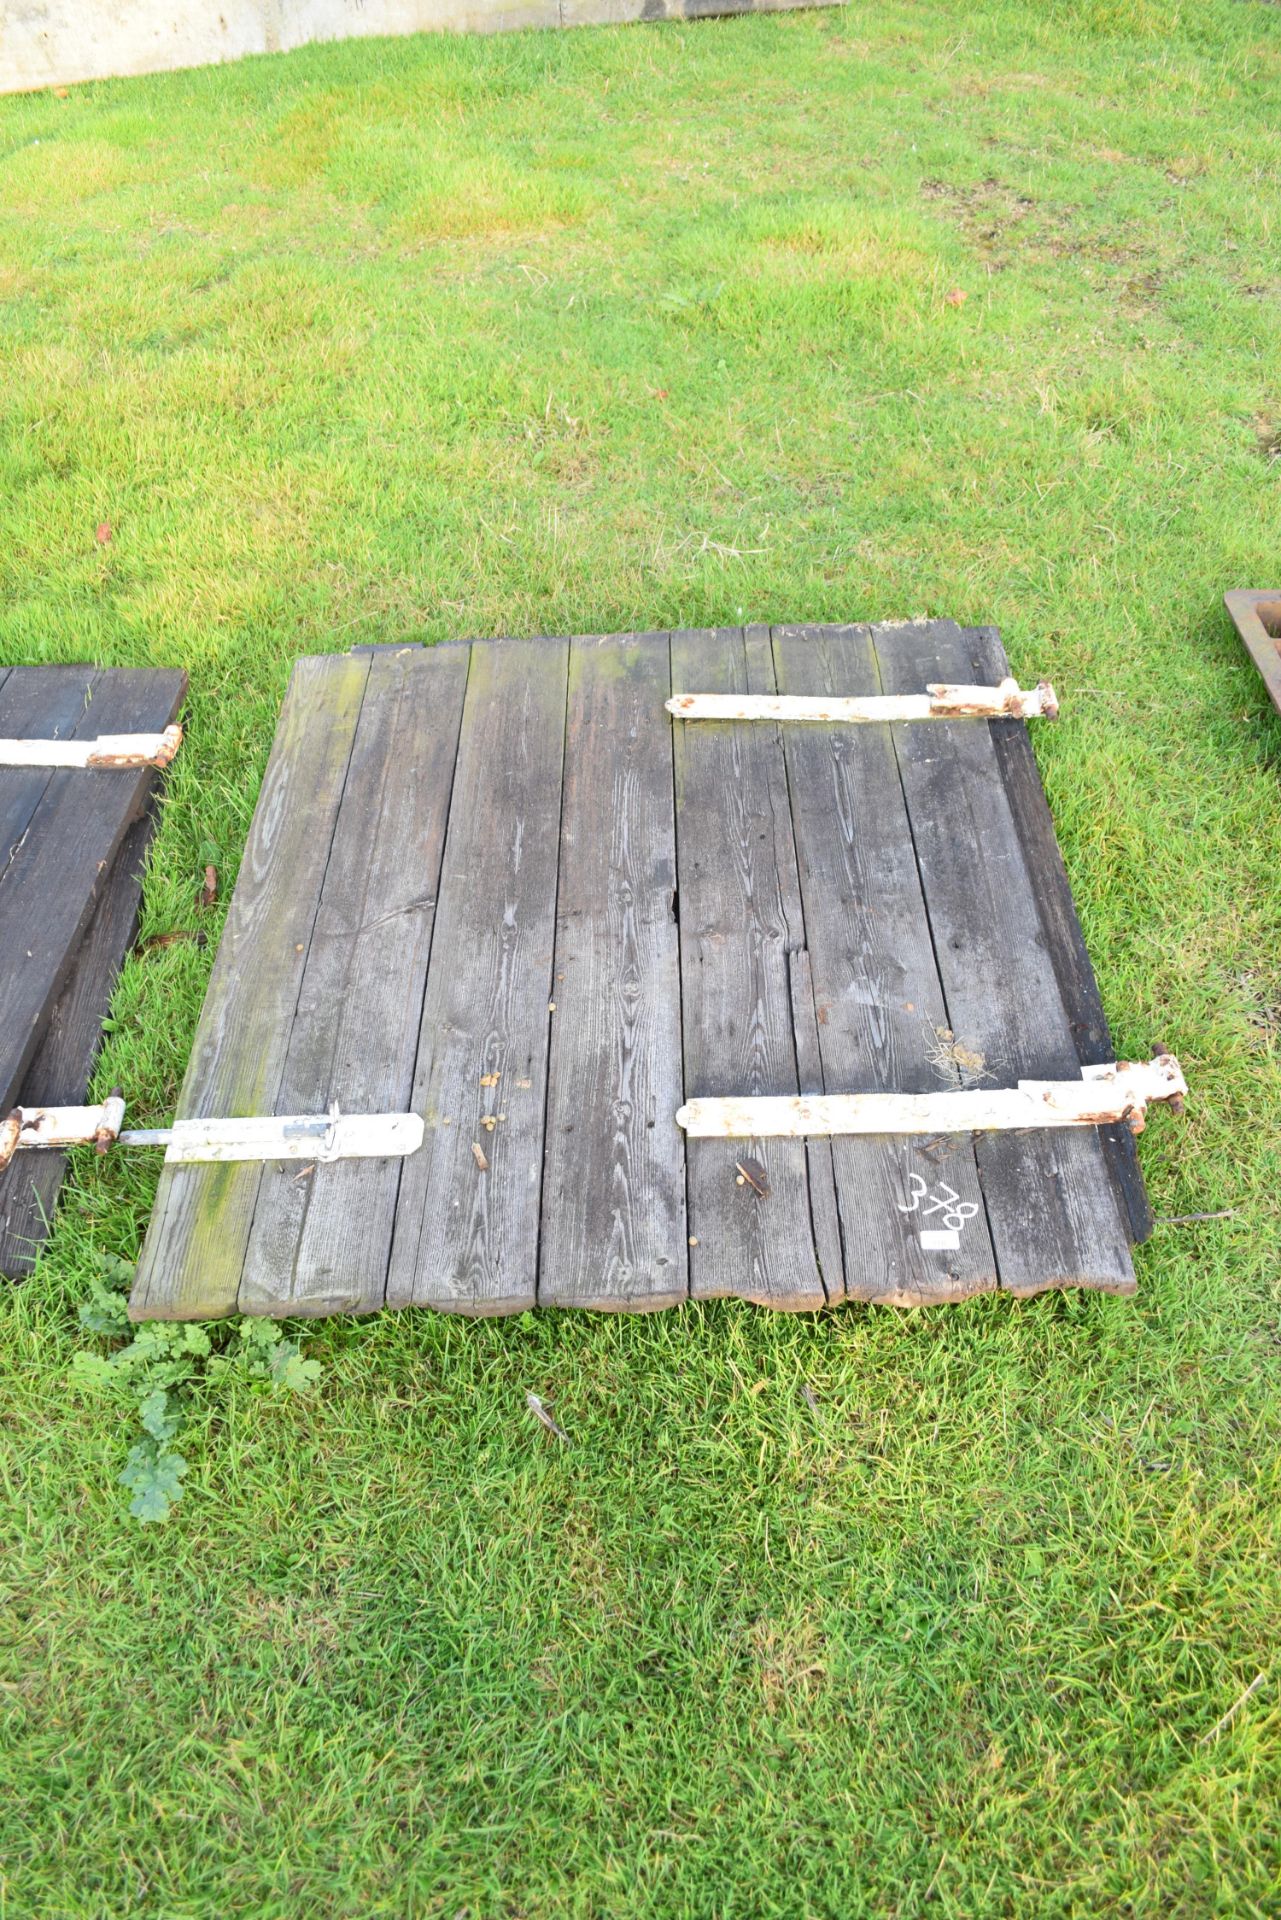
[[169, 742], [113, 1118], [10, 1134], [71, 1126], [1118, 1091], [1008, 700], [940, 701], [1256, 615], [1174, 1101]]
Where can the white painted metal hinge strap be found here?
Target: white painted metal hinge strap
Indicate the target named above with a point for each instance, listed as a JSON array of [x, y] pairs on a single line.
[[1120, 1091], [108, 752], [319, 1137], [1009, 701]]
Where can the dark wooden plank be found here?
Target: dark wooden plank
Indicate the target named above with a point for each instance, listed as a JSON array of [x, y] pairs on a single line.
[[466, 1239], [321, 1241], [825, 1217], [911, 1210], [1052, 1209], [36, 703], [740, 919], [61, 1068], [613, 1213], [1061, 927], [194, 1251], [55, 873]]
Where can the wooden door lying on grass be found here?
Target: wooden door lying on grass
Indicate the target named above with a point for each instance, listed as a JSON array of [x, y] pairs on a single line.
[[496, 883], [73, 844]]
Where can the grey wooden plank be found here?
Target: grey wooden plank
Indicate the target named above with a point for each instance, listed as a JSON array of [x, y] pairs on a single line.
[[911, 1210], [613, 1210], [825, 1218], [56, 871], [321, 1241], [1052, 1209], [61, 1067], [740, 919], [466, 1239], [1061, 927], [194, 1251], [36, 703]]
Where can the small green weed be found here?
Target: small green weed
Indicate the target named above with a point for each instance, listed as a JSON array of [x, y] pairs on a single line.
[[163, 1365]]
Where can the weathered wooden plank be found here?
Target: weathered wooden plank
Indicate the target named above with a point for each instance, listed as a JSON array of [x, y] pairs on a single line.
[[56, 871], [911, 1210], [62, 1065], [1062, 929], [740, 920], [195, 1247], [466, 1236], [1051, 1205], [321, 1241], [613, 1209], [49, 701], [825, 1216]]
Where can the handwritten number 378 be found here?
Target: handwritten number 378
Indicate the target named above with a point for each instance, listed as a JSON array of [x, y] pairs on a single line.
[[944, 1199]]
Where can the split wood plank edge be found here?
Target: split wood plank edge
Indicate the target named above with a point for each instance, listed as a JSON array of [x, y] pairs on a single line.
[[1008, 701], [319, 1137], [108, 753], [1119, 1091]]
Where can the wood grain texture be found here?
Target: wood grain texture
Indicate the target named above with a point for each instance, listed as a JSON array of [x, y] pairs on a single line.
[[58, 853], [320, 1240], [740, 920], [466, 1238], [35, 703], [45, 702], [613, 1208], [1051, 1205], [825, 1215], [882, 1017], [1062, 929], [458, 896], [195, 1247], [62, 1065]]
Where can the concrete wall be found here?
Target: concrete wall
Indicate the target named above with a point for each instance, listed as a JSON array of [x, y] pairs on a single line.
[[55, 42]]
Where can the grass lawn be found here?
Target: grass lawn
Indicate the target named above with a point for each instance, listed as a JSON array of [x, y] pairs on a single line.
[[637, 328]]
